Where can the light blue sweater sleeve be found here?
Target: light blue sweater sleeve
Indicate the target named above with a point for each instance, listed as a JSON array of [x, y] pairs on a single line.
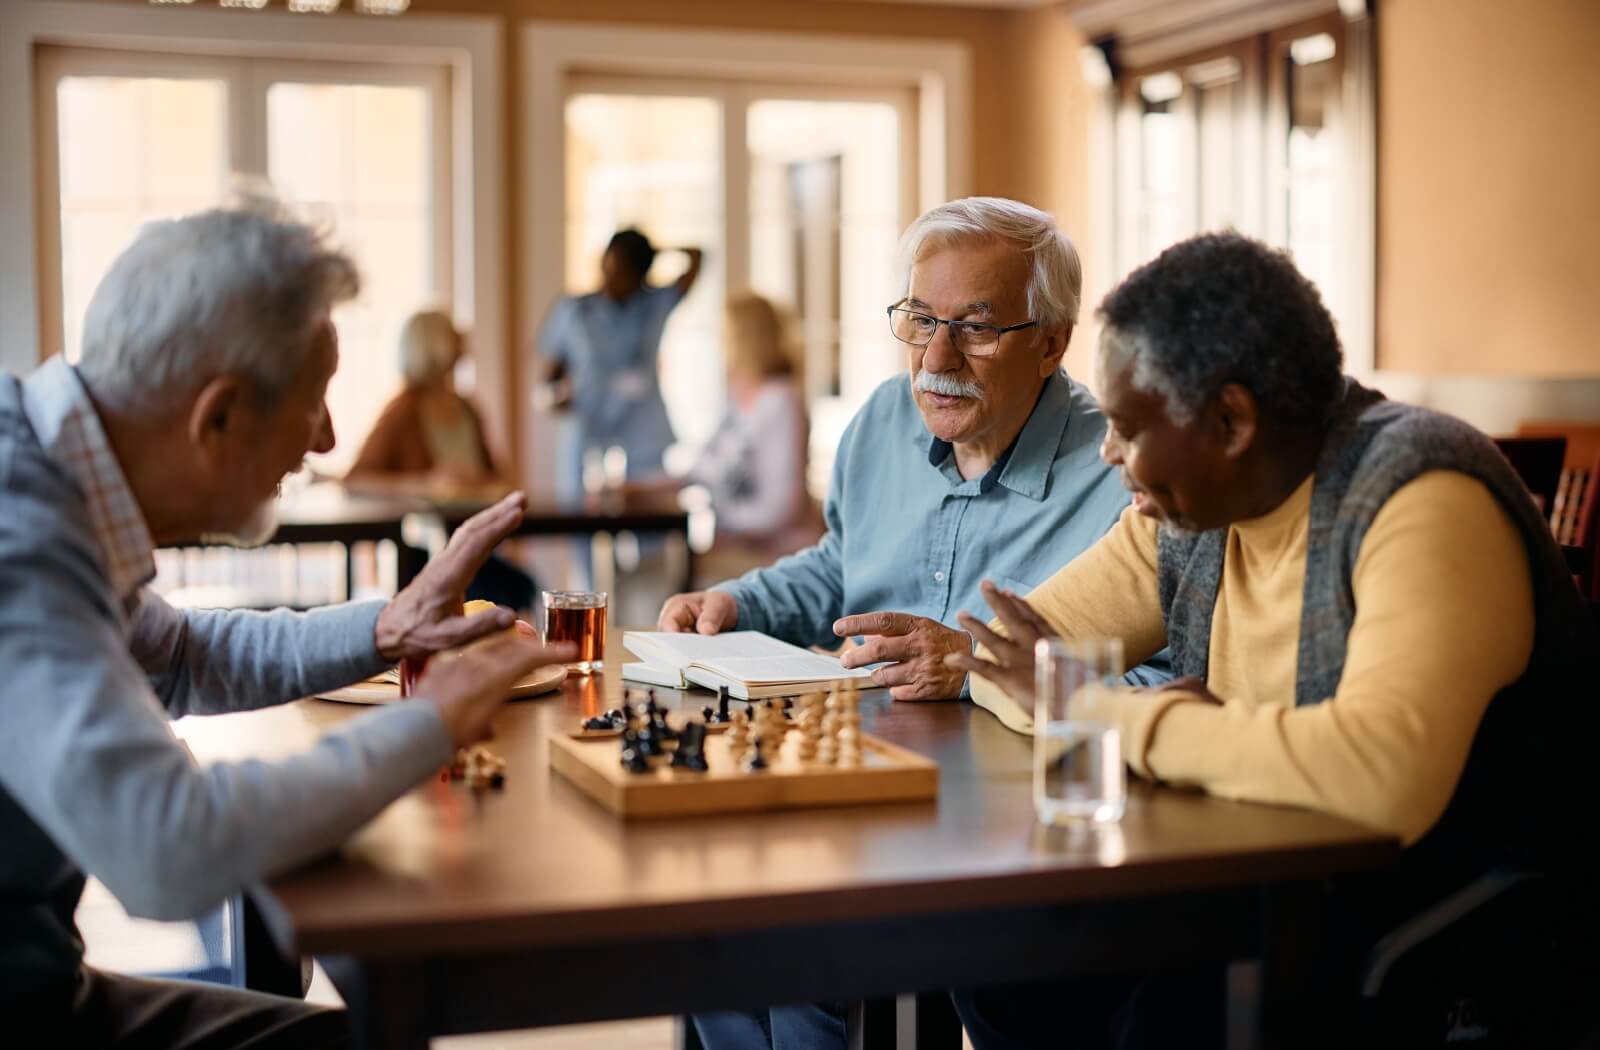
[[88, 756], [209, 662]]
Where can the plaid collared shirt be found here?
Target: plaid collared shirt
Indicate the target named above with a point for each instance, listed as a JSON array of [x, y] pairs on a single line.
[[69, 430]]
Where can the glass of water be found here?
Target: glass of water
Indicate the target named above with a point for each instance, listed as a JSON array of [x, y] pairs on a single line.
[[1077, 764]]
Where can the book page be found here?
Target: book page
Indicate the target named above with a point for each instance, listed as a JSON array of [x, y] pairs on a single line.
[[679, 650], [804, 667]]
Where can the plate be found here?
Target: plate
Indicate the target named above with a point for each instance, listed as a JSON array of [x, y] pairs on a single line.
[[385, 688]]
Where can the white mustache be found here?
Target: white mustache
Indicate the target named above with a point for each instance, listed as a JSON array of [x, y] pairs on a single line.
[[949, 386]]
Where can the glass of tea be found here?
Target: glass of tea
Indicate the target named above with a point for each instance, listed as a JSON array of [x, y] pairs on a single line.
[[578, 617]]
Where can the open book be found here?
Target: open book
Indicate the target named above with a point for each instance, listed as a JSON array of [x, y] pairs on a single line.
[[751, 664]]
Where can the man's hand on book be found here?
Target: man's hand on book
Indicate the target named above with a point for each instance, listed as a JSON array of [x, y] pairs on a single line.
[[916, 646], [703, 612]]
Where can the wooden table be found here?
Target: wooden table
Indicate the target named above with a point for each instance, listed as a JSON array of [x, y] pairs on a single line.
[[454, 913]]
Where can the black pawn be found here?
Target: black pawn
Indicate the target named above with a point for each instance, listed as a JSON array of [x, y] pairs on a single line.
[[757, 762], [634, 759], [691, 753], [708, 714]]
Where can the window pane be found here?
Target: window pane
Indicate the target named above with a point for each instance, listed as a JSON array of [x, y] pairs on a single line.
[[1312, 161], [132, 149], [358, 157], [825, 211], [655, 163], [1164, 174]]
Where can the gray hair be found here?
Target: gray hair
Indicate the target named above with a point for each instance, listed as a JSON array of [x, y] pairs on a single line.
[[428, 343], [1057, 278], [232, 291]]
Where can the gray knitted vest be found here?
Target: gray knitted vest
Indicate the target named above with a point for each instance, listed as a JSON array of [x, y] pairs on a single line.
[[1373, 448]]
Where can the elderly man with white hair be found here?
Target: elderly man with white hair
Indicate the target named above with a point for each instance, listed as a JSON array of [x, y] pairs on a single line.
[[980, 462], [207, 352]]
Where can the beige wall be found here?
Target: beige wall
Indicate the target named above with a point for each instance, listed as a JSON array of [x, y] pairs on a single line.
[[1489, 187]]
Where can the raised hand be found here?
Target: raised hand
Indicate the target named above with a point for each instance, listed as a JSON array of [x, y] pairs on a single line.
[[425, 618], [1010, 665]]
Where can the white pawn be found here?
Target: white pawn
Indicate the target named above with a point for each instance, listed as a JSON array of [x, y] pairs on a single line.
[[738, 733]]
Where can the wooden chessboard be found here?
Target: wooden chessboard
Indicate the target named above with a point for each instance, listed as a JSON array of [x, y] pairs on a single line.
[[884, 773]]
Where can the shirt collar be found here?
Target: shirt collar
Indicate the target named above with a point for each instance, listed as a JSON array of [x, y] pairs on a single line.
[[69, 430], [940, 449], [1024, 468]]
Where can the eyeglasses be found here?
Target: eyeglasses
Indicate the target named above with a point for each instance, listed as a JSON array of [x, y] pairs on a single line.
[[973, 338]]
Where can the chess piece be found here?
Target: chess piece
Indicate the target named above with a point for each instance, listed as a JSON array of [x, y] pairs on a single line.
[[650, 745], [708, 714], [691, 752], [738, 734], [850, 728], [599, 723], [660, 728], [634, 760], [755, 761], [722, 703], [481, 768], [810, 727]]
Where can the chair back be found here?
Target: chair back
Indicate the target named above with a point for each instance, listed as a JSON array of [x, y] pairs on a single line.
[[1577, 473]]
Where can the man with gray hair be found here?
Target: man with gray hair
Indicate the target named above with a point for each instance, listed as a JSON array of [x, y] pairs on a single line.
[[985, 452], [981, 462], [206, 358]]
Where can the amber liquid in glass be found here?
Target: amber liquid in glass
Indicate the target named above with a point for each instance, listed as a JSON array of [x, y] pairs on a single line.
[[585, 628]]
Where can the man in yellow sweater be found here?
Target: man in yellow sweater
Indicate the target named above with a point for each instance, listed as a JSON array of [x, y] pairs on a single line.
[[1351, 588]]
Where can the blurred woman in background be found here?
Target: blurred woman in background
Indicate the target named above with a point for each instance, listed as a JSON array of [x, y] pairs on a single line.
[[430, 441], [755, 463]]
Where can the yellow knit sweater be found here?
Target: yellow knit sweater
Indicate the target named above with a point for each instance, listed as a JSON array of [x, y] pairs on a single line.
[[1444, 620]]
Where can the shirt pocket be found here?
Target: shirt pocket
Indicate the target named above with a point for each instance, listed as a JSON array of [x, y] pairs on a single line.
[[1011, 583]]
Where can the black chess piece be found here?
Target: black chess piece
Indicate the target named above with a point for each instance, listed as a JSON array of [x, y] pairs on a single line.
[[691, 753], [722, 703], [599, 722], [708, 714], [757, 761], [660, 728], [634, 760], [649, 743]]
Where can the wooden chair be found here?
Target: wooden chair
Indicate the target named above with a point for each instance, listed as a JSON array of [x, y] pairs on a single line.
[[1586, 539], [1577, 472]]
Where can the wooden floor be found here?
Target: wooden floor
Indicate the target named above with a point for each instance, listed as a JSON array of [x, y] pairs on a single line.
[[127, 945]]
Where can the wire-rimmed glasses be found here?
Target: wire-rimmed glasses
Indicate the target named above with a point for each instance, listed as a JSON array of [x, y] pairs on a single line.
[[973, 338]]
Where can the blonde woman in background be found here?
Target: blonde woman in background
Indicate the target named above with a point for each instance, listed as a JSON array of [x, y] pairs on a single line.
[[430, 441], [755, 463], [429, 437]]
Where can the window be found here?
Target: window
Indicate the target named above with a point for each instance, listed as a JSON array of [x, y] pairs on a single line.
[[1252, 135], [363, 149], [796, 192]]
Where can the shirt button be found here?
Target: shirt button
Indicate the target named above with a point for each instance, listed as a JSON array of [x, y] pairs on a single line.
[[939, 576]]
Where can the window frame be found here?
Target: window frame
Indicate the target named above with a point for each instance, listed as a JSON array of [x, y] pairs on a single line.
[[247, 80]]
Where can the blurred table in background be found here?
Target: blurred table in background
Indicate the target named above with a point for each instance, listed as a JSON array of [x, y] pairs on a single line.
[[411, 523]]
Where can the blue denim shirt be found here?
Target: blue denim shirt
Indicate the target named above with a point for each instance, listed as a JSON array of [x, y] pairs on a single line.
[[907, 533]]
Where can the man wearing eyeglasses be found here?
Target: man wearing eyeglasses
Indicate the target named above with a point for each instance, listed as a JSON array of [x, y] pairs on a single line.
[[981, 462]]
